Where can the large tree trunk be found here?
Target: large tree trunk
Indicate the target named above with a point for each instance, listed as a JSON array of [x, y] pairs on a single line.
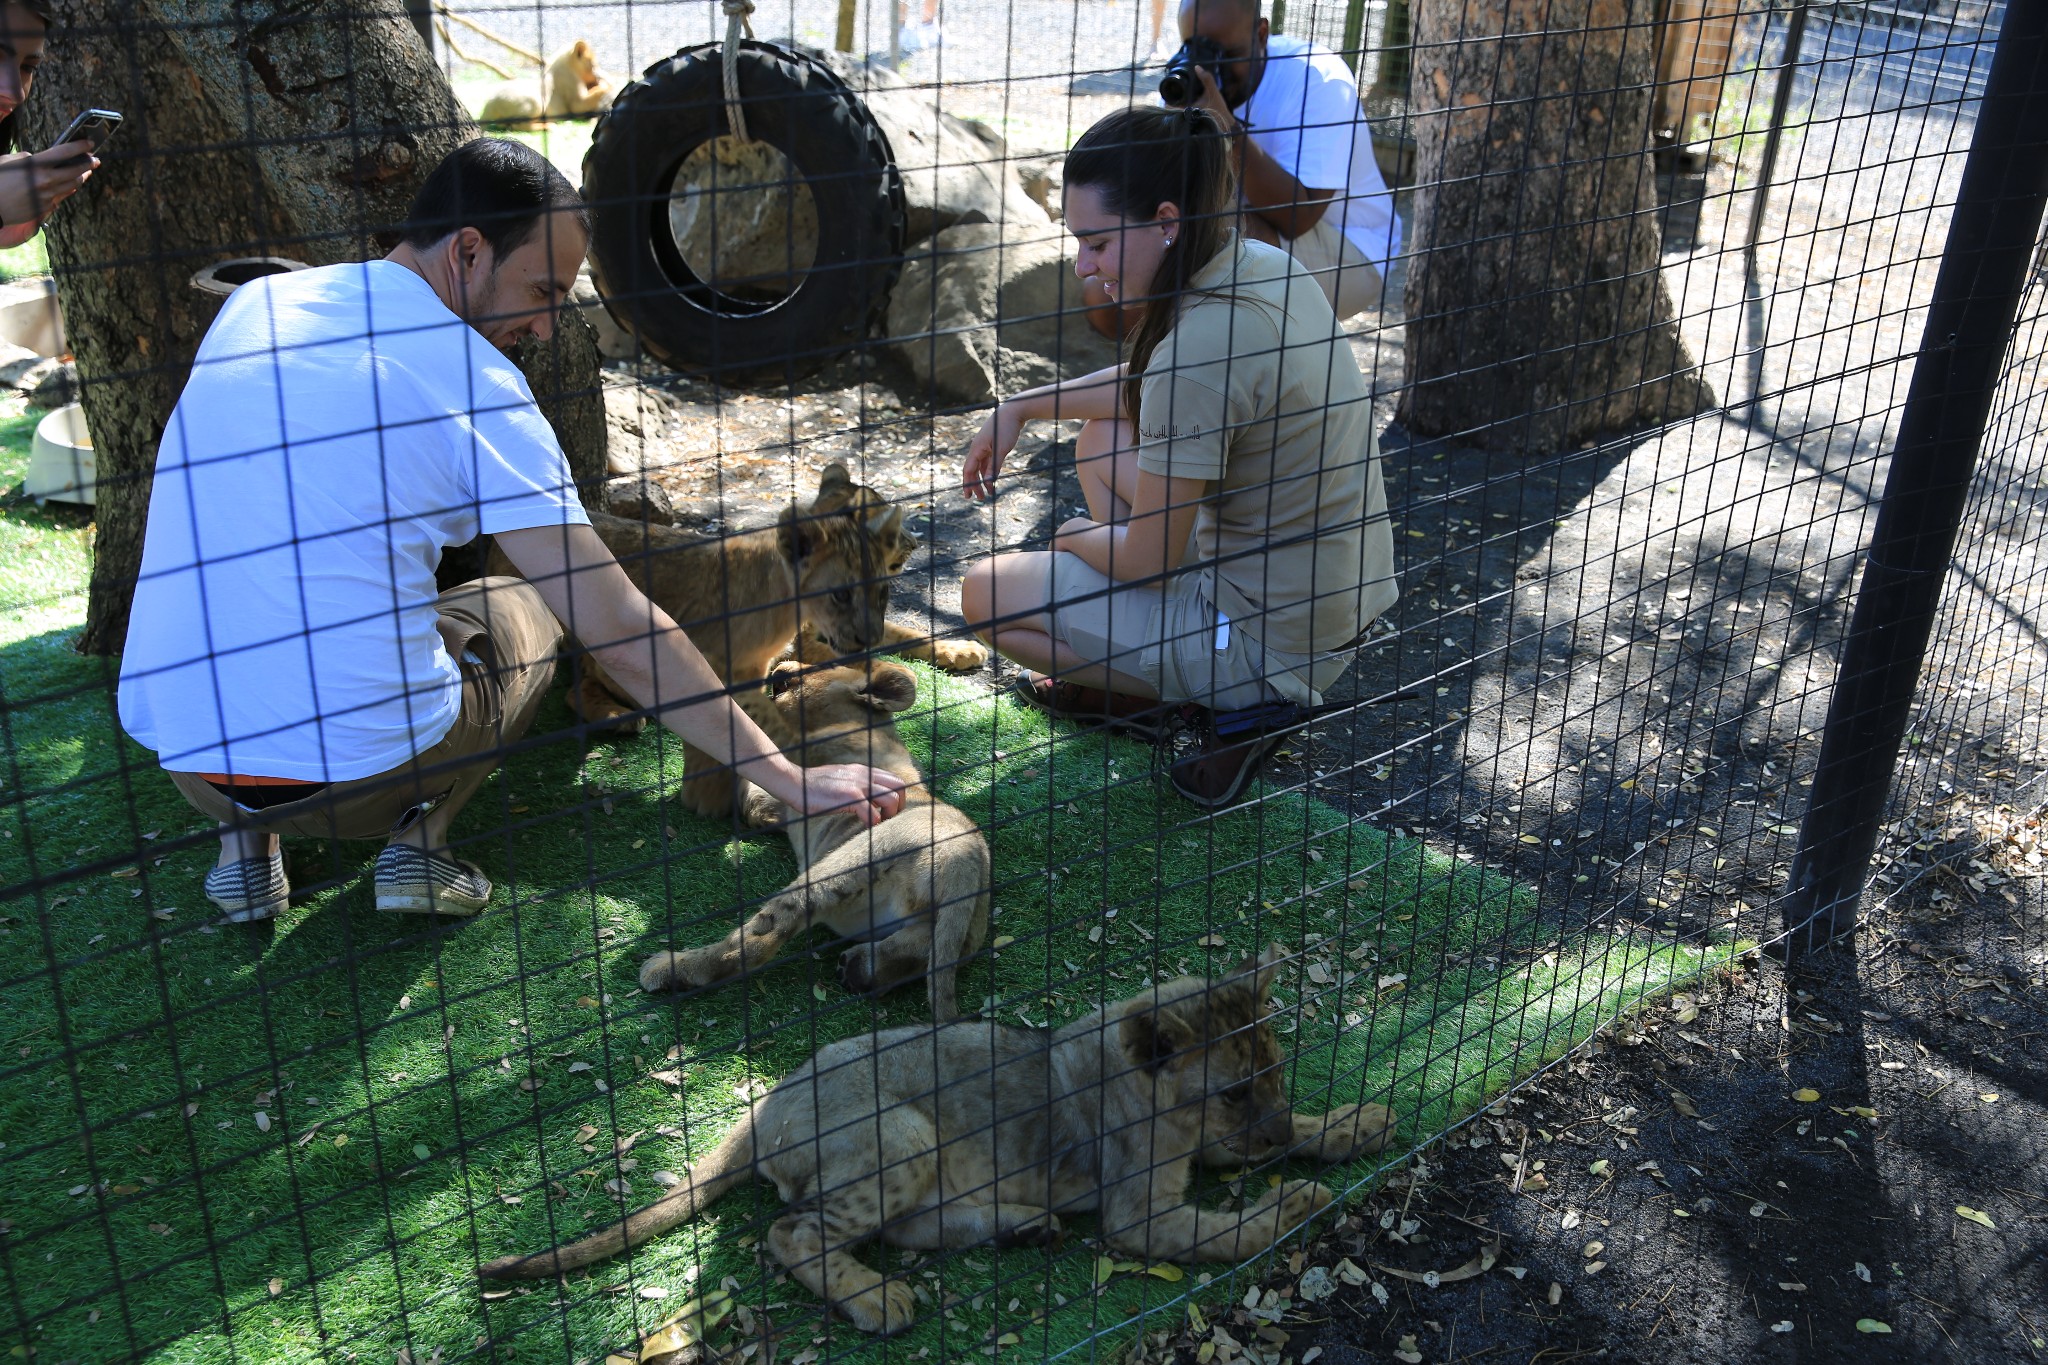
[[1537, 314], [271, 127]]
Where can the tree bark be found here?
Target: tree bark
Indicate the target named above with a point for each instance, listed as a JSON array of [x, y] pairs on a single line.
[[1537, 312], [272, 127]]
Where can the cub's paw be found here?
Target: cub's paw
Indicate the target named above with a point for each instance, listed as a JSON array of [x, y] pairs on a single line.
[[857, 969], [958, 656], [1351, 1130], [596, 707], [884, 1310], [761, 811], [1039, 1232], [1299, 1200], [679, 971]]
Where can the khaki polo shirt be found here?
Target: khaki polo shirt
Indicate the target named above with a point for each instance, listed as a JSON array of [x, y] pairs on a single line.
[[1257, 391]]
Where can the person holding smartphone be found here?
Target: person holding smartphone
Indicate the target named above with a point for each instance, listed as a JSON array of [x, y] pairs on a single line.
[[32, 184]]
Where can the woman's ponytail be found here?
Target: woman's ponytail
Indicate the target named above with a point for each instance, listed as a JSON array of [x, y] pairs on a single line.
[[1138, 159]]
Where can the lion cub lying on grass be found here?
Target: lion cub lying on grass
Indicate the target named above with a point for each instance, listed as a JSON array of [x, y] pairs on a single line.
[[953, 1135], [915, 888]]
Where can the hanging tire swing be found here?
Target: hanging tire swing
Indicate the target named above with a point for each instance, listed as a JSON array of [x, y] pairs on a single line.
[[747, 214]]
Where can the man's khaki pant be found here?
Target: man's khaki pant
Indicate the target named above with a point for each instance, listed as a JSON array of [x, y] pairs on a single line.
[[1349, 281], [503, 638]]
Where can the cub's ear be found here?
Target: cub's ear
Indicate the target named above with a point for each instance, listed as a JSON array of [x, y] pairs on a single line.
[[890, 689], [835, 488], [1152, 1038], [1261, 971], [795, 536], [891, 524]]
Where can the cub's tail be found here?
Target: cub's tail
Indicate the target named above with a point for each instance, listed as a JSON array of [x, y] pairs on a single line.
[[725, 1166]]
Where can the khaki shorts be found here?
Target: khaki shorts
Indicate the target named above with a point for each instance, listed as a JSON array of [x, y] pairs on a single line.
[[1349, 280], [503, 639], [1175, 641]]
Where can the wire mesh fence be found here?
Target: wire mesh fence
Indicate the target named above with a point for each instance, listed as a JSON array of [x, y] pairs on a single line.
[[1262, 823]]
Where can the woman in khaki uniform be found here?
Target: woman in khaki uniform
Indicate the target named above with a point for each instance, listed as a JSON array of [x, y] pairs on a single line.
[[1236, 545]]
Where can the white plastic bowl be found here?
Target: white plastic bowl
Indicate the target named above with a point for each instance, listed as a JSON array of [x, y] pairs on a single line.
[[60, 462]]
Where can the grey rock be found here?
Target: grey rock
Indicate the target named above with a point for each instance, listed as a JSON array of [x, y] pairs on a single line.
[[953, 171], [23, 369], [1042, 180], [57, 388], [637, 420], [638, 498], [984, 310]]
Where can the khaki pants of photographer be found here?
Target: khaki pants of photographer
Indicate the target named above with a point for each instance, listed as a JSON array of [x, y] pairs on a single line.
[[1349, 281]]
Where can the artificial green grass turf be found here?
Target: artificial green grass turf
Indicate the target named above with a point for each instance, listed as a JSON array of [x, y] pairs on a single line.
[[388, 1054]]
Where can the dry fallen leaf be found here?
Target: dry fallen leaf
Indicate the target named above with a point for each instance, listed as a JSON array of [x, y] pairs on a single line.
[[1407, 1352], [1873, 1325], [1977, 1216], [688, 1327], [1806, 1095], [1473, 1268]]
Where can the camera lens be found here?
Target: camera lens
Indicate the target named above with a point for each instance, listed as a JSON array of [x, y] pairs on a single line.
[[1178, 86]]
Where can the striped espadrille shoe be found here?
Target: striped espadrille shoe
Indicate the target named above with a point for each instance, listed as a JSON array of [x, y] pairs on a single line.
[[250, 890], [410, 882]]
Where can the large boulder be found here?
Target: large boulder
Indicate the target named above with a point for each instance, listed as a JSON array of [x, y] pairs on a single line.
[[953, 171], [985, 309]]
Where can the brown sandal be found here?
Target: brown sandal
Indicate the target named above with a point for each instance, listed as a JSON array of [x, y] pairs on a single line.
[[1091, 705]]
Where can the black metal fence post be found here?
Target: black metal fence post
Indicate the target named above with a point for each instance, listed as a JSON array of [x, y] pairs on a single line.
[[1788, 71], [1984, 269]]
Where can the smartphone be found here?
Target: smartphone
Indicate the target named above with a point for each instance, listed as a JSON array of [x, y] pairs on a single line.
[[94, 126]]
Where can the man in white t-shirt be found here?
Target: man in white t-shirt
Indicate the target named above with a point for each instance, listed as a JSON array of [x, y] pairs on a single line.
[[1305, 163], [288, 656]]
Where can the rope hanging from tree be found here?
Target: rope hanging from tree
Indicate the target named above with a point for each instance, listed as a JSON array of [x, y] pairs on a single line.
[[736, 23]]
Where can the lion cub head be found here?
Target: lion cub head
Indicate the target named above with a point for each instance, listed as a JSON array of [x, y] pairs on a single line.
[[848, 546], [1215, 1038]]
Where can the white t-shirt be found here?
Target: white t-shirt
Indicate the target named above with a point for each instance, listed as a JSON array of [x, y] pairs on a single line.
[[340, 428], [1306, 116]]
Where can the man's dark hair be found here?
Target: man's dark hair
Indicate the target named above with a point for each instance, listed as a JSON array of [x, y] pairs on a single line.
[[503, 189]]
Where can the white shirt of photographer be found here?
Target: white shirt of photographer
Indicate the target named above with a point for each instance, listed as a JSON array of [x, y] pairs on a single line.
[[341, 427], [1306, 116]]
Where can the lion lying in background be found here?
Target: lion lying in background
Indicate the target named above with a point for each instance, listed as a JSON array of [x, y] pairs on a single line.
[[914, 890], [572, 86], [953, 1135]]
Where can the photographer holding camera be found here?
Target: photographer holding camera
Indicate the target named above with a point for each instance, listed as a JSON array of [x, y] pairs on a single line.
[[1301, 146]]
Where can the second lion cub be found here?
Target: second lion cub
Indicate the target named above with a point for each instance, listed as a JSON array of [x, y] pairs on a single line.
[[962, 1134], [914, 889]]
